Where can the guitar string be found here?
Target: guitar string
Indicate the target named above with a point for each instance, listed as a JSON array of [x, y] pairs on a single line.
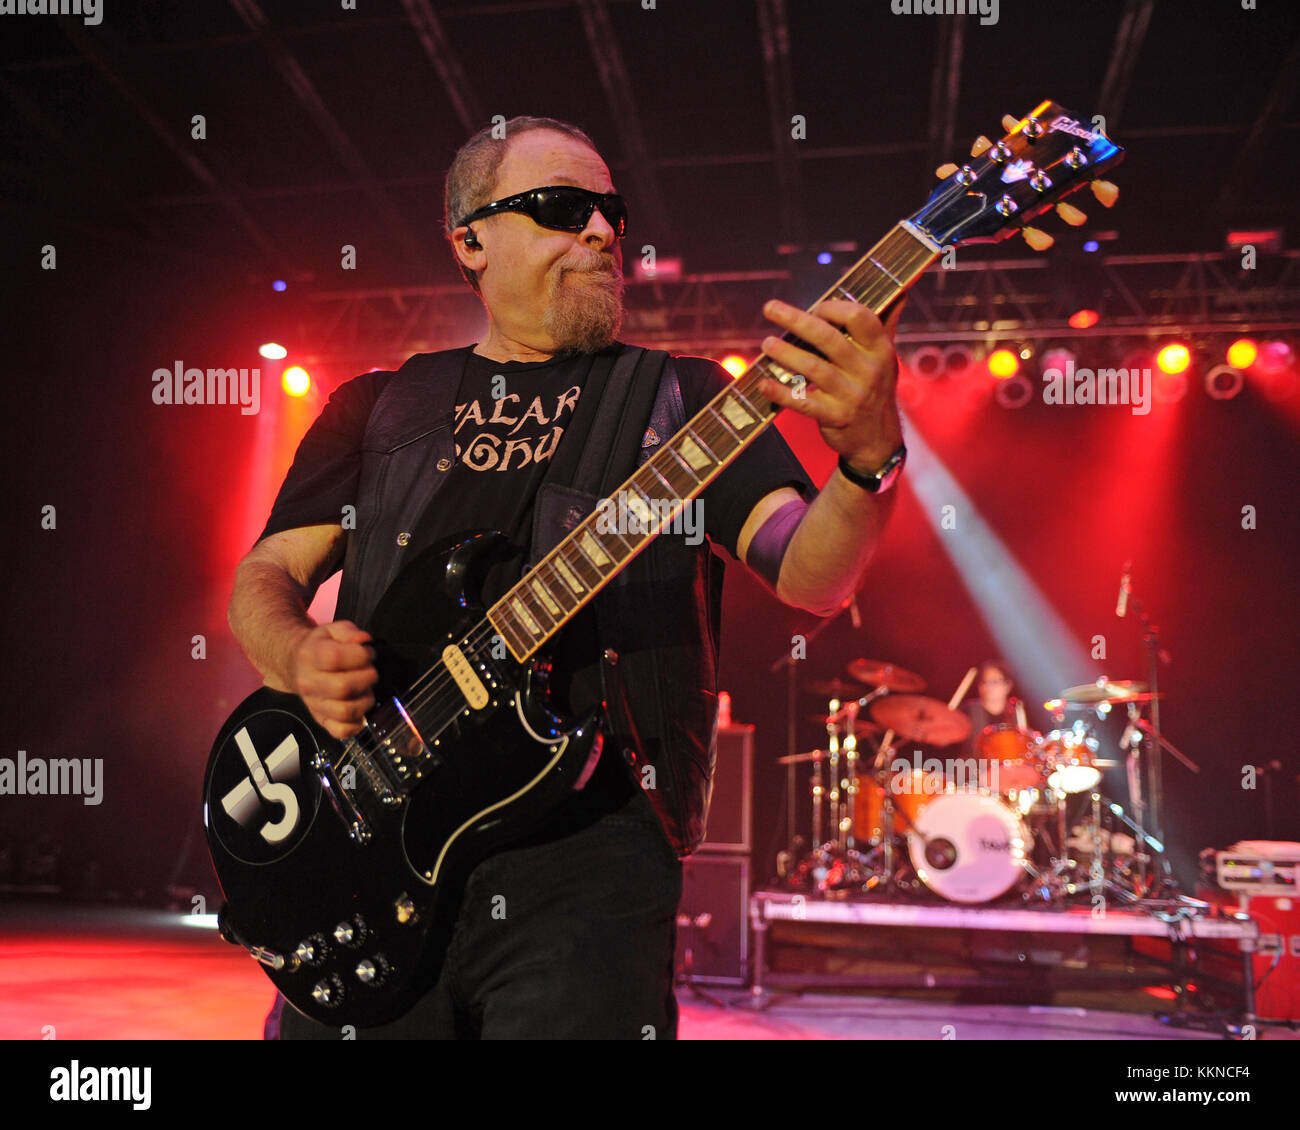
[[440, 681]]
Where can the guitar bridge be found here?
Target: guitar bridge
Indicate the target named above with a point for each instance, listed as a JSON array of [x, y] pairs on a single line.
[[345, 808]]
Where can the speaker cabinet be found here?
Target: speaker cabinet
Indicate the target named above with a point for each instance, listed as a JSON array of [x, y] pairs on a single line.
[[713, 920], [730, 826]]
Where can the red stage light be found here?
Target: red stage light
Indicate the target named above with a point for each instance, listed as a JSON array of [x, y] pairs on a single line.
[[735, 364], [1274, 357], [1058, 358], [1242, 353], [1174, 358], [295, 380], [1084, 319], [927, 362], [1003, 363]]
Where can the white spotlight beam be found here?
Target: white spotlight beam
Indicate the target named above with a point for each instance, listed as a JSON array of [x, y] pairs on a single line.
[[1030, 634]]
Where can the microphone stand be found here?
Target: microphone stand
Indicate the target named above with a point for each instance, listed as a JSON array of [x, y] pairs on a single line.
[[1155, 785], [792, 716]]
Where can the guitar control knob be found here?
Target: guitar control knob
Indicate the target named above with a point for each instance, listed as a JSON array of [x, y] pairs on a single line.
[[350, 932], [310, 950], [329, 992], [405, 909], [371, 971]]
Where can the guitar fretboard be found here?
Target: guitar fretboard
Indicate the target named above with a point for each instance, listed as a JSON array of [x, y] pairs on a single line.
[[559, 585]]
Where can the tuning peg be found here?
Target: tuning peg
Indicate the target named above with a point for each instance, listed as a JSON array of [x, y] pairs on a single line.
[[981, 144], [1071, 215], [1010, 122], [1038, 239], [943, 172], [1104, 191]]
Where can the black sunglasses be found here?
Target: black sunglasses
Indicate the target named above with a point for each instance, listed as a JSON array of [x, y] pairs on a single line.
[[560, 207]]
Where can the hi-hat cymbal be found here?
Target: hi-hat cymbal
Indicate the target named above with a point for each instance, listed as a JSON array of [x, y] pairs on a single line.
[[877, 673], [921, 719], [863, 726], [1119, 690]]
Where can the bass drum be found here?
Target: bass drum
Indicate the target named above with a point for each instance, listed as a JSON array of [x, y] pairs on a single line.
[[969, 847]]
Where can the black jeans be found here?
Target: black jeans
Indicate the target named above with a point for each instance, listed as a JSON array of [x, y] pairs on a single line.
[[567, 936]]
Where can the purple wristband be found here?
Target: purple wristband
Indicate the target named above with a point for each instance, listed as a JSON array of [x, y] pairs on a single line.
[[767, 547]]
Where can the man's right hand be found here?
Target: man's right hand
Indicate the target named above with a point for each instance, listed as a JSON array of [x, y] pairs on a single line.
[[334, 674]]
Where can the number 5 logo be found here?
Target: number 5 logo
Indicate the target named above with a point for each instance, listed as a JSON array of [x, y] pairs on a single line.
[[243, 802]]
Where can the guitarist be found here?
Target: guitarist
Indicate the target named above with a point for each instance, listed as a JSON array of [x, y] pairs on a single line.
[[570, 933]]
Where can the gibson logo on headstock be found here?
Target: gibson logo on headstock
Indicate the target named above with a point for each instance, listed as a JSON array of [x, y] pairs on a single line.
[[1070, 126]]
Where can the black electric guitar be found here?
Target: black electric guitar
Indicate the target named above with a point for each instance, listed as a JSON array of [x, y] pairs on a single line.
[[343, 863]]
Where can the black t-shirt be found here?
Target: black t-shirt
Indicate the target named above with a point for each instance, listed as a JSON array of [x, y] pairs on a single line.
[[503, 448], [510, 418]]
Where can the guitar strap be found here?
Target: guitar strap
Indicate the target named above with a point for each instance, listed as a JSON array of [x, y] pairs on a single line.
[[611, 423]]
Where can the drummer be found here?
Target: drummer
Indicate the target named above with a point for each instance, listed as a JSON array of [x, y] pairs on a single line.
[[994, 705]]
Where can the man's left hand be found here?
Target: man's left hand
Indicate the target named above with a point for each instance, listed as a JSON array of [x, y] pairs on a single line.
[[851, 394]]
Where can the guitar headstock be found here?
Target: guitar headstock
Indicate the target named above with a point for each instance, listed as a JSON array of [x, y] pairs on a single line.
[[1044, 157]]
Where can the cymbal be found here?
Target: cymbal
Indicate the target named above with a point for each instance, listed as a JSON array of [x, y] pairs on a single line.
[[835, 688], [1102, 691], [1060, 705], [863, 726], [877, 673], [921, 719]]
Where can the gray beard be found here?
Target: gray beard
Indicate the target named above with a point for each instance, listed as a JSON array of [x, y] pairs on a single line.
[[583, 316]]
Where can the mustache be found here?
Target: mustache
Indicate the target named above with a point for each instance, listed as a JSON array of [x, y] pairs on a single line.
[[586, 261]]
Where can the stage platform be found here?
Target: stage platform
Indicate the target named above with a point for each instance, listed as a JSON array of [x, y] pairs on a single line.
[[116, 973]]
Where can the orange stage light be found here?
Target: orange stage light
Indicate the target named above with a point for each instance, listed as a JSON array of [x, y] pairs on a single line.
[[1003, 363], [295, 380], [735, 364], [1174, 358], [1242, 353]]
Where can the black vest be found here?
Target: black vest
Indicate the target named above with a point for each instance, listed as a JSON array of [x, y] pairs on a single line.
[[657, 622]]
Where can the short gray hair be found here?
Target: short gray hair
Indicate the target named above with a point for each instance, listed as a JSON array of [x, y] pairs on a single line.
[[472, 179]]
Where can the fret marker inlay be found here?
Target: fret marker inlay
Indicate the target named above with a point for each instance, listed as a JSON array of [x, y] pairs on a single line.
[[569, 578], [692, 453], [591, 547]]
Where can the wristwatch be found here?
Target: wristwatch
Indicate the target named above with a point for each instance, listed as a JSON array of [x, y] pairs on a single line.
[[883, 479]]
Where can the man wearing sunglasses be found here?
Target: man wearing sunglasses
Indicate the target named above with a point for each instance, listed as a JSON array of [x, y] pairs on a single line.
[[569, 933]]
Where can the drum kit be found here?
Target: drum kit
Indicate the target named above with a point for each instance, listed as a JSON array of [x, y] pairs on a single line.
[[1018, 815]]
